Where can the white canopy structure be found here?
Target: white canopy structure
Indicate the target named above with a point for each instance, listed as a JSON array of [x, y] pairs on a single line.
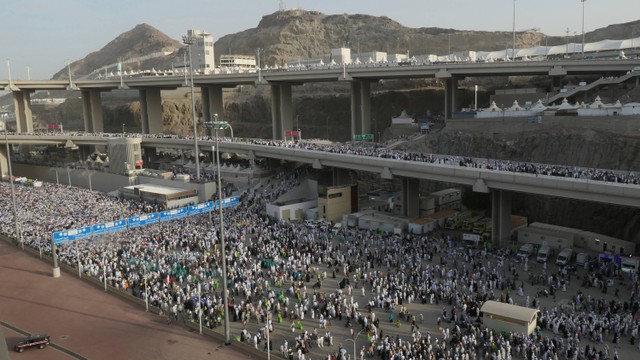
[[566, 105], [515, 106], [597, 104], [492, 108], [538, 107]]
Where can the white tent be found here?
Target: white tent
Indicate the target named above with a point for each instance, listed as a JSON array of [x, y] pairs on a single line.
[[597, 104], [566, 106], [493, 107], [515, 106], [538, 107]]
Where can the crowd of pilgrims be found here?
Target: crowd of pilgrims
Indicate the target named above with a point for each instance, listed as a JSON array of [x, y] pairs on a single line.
[[278, 270], [382, 151]]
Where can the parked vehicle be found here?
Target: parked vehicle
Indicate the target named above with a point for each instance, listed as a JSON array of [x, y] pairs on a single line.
[[336, 228], [525, 251], [581, 259], [629, 265], [471, 240], [564, 257], [37, 340], [543, 253]]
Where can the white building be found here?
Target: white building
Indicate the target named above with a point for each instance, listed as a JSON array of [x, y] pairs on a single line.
[[238, 62], [202, 51], [341, 55]]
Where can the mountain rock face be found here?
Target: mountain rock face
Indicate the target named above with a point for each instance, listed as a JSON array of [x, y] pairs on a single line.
[[299, 34], [142, 40]]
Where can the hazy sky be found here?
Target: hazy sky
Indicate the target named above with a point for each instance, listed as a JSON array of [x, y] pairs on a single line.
[[44, 34]]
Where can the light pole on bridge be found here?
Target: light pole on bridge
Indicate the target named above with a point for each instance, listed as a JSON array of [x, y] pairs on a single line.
[[189, 40]]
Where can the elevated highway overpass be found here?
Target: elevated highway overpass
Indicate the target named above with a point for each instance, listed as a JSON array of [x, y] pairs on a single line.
[[360, 78], [499, 183]]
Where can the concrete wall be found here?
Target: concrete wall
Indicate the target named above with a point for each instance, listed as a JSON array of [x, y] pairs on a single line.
[[105, 182], [596, 242], [100, 181], [205, 191], [295, 210], [519, 124], [556, 240]]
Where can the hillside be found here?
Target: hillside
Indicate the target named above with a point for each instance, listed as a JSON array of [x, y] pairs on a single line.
[[142, 40], [298, 34]]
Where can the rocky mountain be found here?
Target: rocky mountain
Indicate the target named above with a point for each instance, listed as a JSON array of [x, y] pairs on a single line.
[[299, 34], [132, 47]]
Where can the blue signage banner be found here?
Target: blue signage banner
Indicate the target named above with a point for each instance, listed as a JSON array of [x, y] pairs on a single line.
[[229, 202], [109, 227], [173, 214], [142, 220], [72, 235], [201, 208]]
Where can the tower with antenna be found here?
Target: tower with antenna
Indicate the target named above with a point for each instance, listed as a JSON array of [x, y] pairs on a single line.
[[281, 6]]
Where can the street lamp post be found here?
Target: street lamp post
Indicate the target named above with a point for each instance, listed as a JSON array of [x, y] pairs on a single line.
[[355, 338], [227, 336], [189, 40], [12, 186], [583, 1], [222, 125]]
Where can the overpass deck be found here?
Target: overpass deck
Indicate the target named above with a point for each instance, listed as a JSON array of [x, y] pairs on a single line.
[[336, 73], [438, 169]]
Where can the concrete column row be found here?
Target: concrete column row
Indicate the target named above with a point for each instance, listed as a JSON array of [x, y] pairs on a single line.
[[92, 111], [22, 106], [500, 217], [4, 163], [360, 108], [281, 110], [212, 102], [151, 110]]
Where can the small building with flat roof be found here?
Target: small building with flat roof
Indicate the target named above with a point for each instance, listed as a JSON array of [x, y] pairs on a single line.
[[168, 196], [506, 317]]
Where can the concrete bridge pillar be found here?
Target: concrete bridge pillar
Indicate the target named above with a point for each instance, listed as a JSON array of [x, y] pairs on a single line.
[[356, 123], [149, 154], [450, 89], [22, 106], [212, 102], [500, 217], [4, 163], [92, 111], [410, 197], [286, 107], [365, 107], [281, 110], [151, 111], [340, 176], [360, 108], [276, 128]]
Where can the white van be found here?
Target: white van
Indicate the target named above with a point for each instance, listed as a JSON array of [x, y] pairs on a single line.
[[543, 253], [525, 251], [336, 228], [581, 259], [564, 257], [629, 265]]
